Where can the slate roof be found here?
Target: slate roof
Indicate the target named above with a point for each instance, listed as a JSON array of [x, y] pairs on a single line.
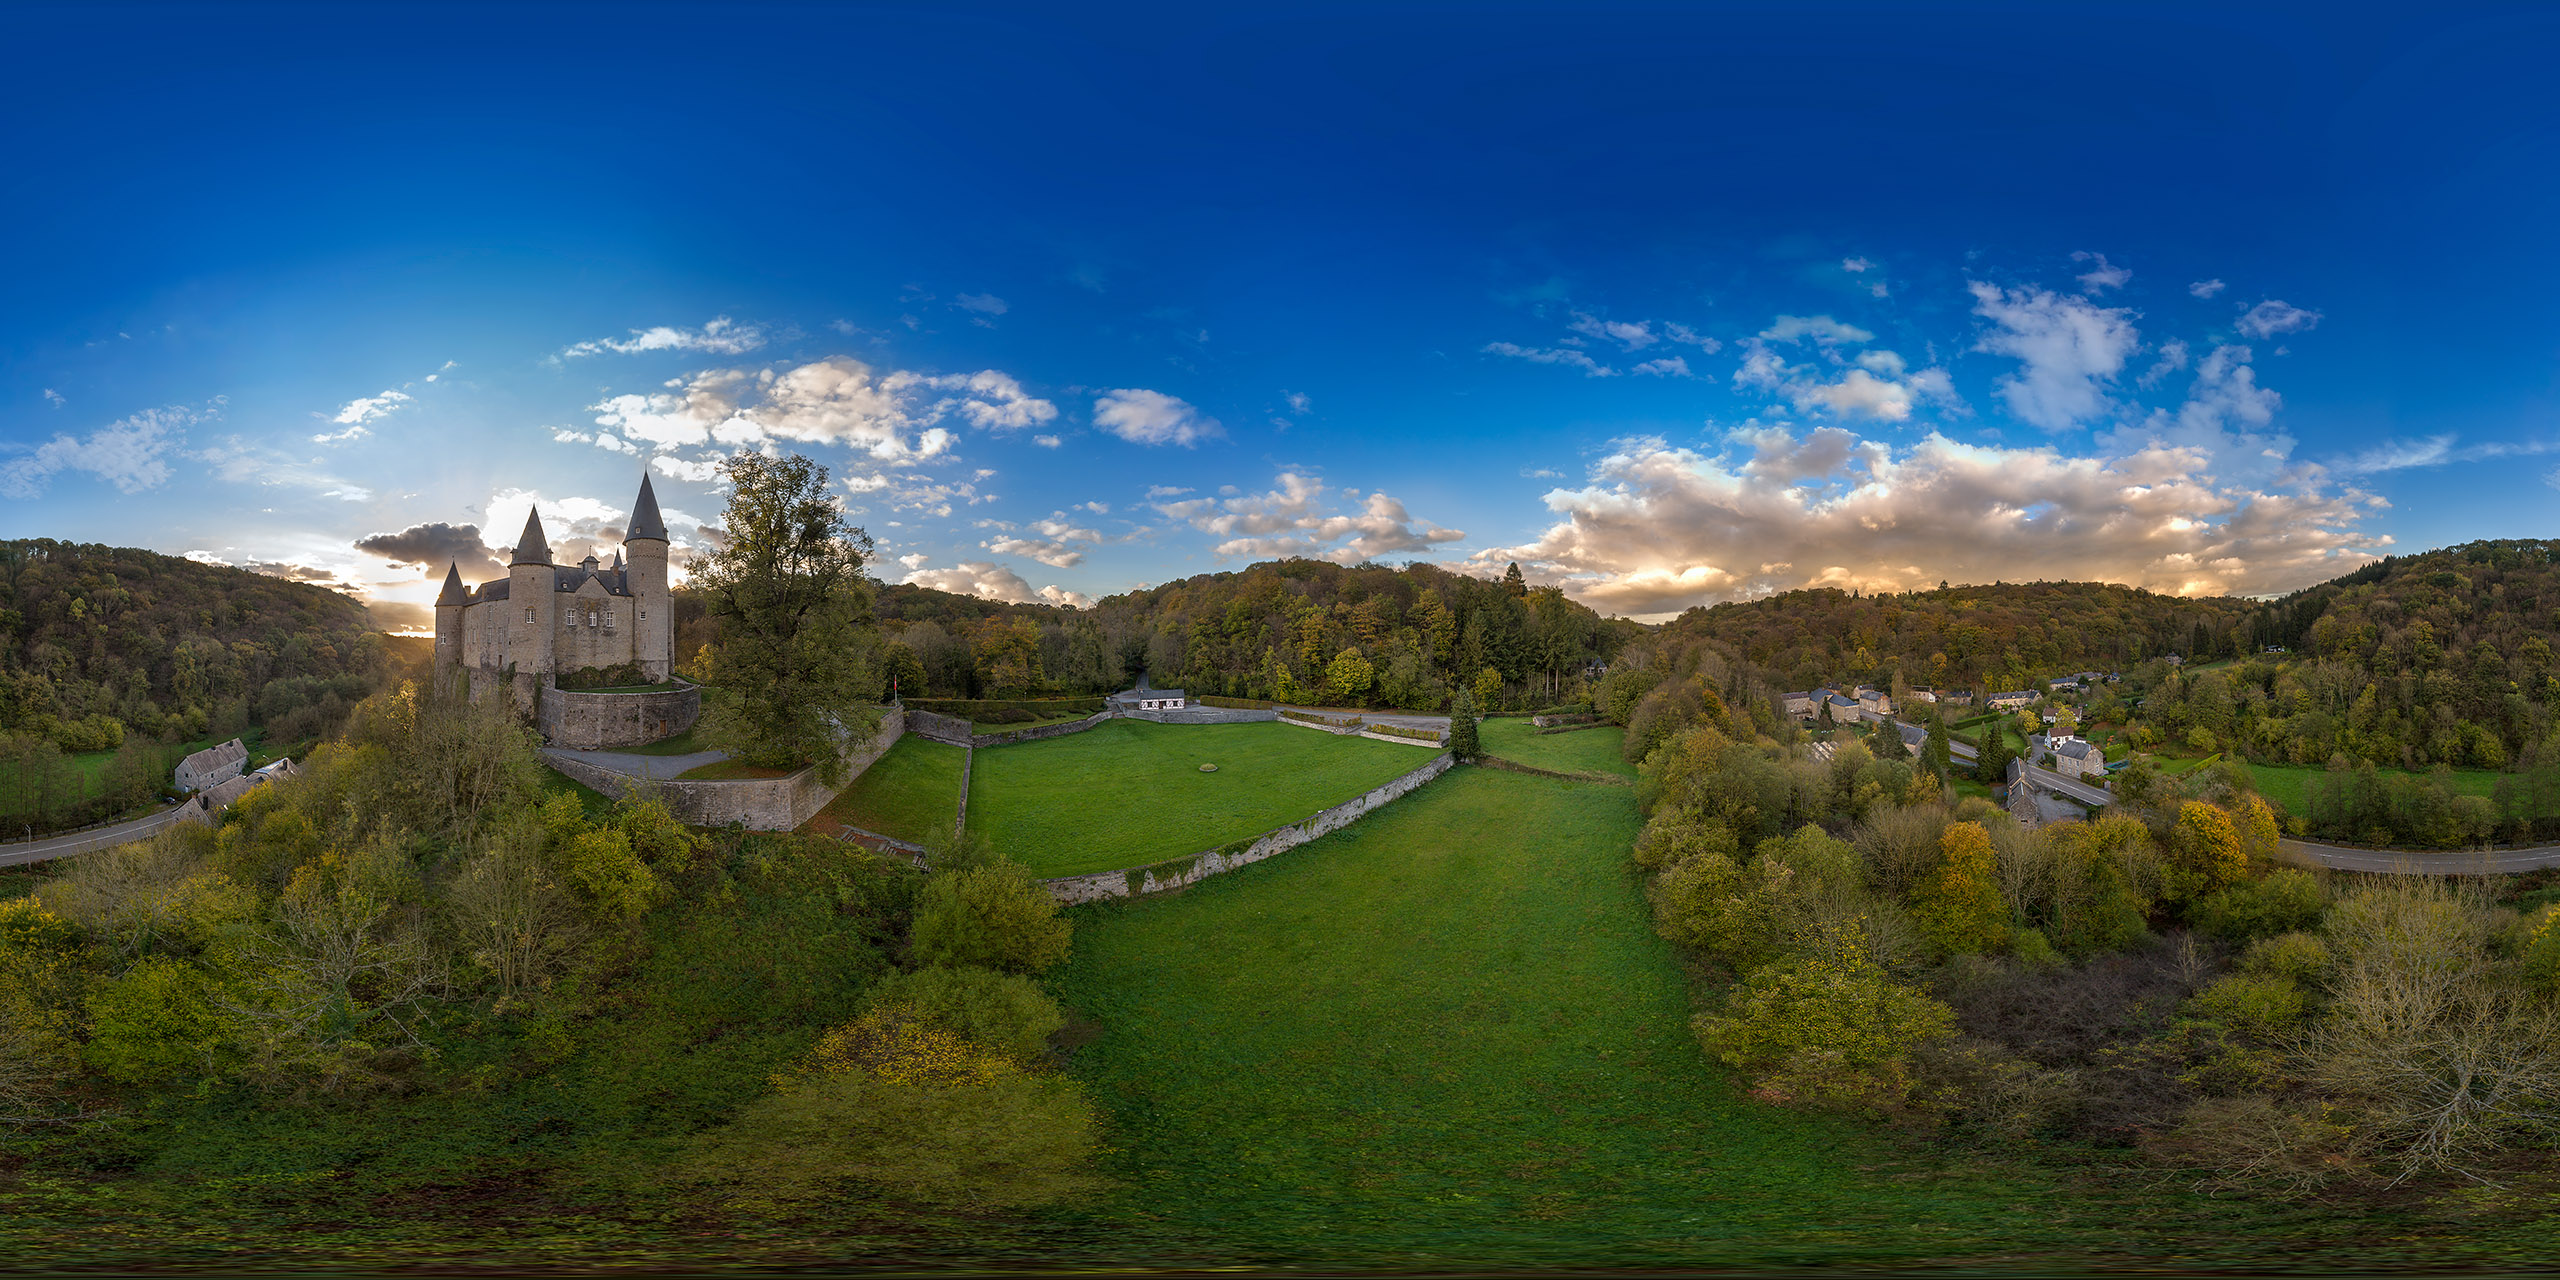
[[214, 757], [454, 592], [532, 548], [645, 521]]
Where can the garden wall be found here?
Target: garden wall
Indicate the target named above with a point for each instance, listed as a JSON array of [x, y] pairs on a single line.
[[589, 721], [1034, 734], [1201, 715], [759, 804], [1158, 877], [939, 727]]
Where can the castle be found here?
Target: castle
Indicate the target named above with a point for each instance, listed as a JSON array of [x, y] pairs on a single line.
[[544, 621]]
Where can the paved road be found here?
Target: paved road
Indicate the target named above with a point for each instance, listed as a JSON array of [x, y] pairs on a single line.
[[659, 768], [2429, 862], [22, 852]]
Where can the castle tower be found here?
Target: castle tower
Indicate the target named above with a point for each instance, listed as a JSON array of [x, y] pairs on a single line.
[[449, 606], [654, 629], [528, 619]]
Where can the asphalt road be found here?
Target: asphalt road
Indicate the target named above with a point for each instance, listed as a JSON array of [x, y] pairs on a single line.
[[23, 852], [2431, 862]]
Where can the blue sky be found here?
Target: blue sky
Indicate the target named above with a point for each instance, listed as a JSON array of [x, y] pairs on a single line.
[[1670, 303]]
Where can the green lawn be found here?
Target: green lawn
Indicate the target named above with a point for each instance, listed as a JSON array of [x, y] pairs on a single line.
[[990, 726], [1581, 751], [2288, 786], [1129, 792], [911, 793], [683, 744], [1447, 1038]]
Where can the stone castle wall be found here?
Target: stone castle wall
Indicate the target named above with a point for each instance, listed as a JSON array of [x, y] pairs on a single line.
[[1158, 877], [759, 804], [590, 721]]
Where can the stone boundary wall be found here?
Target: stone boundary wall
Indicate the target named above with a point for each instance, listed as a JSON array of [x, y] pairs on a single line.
[[759, 804], [1201, 715], [1338, 730], [939, 727], [1174, 874], [601, 721], [1007, 738], [1403, 741]]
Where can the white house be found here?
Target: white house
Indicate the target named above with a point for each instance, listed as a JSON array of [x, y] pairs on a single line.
[[212, 766], [1149, 700]]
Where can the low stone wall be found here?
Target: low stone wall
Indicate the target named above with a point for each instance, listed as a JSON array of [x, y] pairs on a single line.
[[1158, 877], [1202, 715], [1402, 741], [939, 727], [759, 804], [602, 721], [1344, 729], [1038, 732]]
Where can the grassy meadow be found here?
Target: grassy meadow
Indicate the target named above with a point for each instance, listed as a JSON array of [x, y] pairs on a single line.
[[1448, 1037], [1582, 751], [1128, 792], [912, 793]]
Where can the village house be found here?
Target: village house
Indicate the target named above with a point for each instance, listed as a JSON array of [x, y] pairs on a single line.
[[212, 766], [2012, 700], [1149, 700], [1875, 702], [1799, 704], [1843, 710]]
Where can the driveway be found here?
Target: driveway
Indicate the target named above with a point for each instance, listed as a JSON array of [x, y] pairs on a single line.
[[22, 852]]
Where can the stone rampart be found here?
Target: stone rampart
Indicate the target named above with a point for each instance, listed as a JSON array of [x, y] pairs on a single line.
[[601, 721], [1037, 732], [1158, 877], [759, 804], [1402, 741]]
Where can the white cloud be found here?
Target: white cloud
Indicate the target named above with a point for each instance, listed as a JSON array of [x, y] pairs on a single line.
[[1634, 337], [369, 409], [2435, 451], [1666, 367], [689, 470], [1551, 355], [1822, 329], [340, 437], [1857, 393], [1047, 442], [1659, 528], [981, 578], [1152, 417], [983, 303], [1165, 491], [1540, 473], [2272, 317], [1056, 542], [54, 398], [1297, 401], [1068, 599], [889, 419], [2173, 357], [236, 461], [1687, 336], [1298, 519], [2105, 275], [2070, 349], [722, 336], [1856, 265], [130, 453], [2206, 288], [1879, 290], [904, 492]]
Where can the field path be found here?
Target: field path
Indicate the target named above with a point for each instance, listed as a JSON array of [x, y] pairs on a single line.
[[1447, 1036]]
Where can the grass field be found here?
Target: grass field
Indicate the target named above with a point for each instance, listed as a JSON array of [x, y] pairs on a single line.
[[990, 726], [683, 744], [1128, 792], [1447, 1037], [1581, 751], [2288, 786], [911, 793]]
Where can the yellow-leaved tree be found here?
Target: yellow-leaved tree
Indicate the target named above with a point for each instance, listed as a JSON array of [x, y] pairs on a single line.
[[1960, 907]]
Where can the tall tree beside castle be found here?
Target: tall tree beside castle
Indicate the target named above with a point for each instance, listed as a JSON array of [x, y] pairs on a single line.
[[793, 676]]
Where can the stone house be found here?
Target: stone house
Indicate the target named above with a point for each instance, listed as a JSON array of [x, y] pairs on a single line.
[[1149, 700], [212, 766], [2075, 758], [1799, 704], [2011, 700]]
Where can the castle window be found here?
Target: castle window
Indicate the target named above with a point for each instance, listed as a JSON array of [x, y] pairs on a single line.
[[644, 615], [528, 613], [591, 617]]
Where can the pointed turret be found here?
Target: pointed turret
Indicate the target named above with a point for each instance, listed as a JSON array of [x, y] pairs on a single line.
[[533, 548], [645, 520], [454, 592], [617, 562]]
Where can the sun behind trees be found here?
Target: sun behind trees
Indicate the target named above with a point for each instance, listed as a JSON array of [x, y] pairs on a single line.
[[793, 677]]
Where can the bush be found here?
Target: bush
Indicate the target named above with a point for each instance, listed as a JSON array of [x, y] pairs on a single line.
[[2302, 957], [999, 1011], [1678, 834], [156, 1021], [1826, 1027], [2286, 901], [2251, 1004], [993, 915]]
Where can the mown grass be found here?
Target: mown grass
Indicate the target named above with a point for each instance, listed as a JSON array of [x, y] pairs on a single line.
[[1581, 751], [912, 793], [1129, 792], [2288, 786], [1447, 1038], [682, 744]]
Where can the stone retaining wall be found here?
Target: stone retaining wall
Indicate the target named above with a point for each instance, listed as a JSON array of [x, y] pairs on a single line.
[[939, 727], [1338, 730], [1401, 741], [759, 804], [1006, 738], [602, 721], [1202, 715], [1158, 877]]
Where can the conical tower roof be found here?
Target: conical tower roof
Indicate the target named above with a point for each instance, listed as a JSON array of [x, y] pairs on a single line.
[[645, 520], [533, 548], [454, 592]]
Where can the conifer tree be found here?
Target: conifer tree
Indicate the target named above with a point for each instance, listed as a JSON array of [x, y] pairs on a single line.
[[1934, 755], [1462, 727], [1513, 582]]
